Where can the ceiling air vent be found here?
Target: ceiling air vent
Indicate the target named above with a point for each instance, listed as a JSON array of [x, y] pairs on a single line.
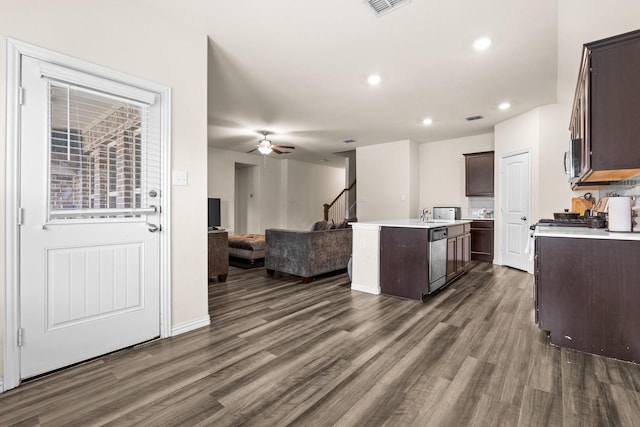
[[474, 117], [380, 7]]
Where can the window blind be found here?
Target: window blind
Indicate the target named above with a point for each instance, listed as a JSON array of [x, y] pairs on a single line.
[[103, 153]]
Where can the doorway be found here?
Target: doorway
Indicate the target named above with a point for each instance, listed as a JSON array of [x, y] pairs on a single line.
[[247, 195], [88, 169]]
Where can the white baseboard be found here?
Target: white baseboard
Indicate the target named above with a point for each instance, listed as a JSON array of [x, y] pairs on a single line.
[[190, 326], [363, 288]]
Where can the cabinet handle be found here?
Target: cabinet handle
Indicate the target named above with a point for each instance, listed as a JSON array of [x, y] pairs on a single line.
[[524, 218]]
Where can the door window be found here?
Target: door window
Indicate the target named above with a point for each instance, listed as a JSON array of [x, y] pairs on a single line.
[[98, 141]]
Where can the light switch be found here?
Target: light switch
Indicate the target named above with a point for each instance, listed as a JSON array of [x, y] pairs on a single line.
[[180, 178]]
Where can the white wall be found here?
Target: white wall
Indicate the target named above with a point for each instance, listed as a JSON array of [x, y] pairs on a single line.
[[309, 188], [555, 192], [543, 131], [387, 181], [584, 21], [146, 44], [286, 193], [264, 184], [442, 170]]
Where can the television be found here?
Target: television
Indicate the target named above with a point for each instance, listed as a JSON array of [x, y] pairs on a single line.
[[214, 213]]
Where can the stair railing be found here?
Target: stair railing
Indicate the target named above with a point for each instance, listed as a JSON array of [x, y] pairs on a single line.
[[337, 209]]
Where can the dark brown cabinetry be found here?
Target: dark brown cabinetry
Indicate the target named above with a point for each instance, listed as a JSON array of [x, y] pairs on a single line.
[[404, 262], [404, 259], [479, 174], [218, 242], [482, 240], [586, 294], [604, 121], [458, 250]]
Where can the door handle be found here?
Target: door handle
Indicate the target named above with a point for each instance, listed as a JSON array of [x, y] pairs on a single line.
[[524, 218], [153, 228]]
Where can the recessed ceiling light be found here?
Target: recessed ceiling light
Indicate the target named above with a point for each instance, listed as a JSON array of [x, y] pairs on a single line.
[[427, 122], [324, 160], [349, 141], [482, 43], [504, 106], [374, 79]]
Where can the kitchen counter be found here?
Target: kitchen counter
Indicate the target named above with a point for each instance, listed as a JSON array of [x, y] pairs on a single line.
[[583, 233], [366, 248], [412, 223], [586, 290]]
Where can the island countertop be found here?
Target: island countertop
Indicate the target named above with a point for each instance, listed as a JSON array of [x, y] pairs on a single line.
[[409, 223]]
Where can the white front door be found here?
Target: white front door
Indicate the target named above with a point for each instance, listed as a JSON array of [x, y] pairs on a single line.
[[89, 175], [515, 207]]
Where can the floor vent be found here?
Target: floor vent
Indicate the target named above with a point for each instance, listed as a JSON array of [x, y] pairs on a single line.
[[474, 117], [381, 7]]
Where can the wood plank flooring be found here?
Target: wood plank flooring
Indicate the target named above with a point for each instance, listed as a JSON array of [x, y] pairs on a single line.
[[279, 353]]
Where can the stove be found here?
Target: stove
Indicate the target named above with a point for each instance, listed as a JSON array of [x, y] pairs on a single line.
[[565, 222]]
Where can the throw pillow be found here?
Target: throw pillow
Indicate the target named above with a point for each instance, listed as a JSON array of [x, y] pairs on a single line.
[[330, 225], [319, 225]]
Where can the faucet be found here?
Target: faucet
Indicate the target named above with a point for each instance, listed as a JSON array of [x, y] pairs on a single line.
[[424, 215]]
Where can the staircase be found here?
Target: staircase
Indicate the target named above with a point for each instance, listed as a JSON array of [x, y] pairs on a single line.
[[339, 208]]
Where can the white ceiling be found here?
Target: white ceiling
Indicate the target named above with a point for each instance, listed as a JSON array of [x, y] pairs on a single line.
[[299, 69]]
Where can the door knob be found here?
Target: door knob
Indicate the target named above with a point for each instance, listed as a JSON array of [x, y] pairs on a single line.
[[153, 194], [524, 218], [153, 228]]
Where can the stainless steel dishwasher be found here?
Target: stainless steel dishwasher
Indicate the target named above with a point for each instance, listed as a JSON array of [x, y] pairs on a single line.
[[437, 257]]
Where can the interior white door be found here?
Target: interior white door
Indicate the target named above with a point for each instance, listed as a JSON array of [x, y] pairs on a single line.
[[89, 265], [515, 210]]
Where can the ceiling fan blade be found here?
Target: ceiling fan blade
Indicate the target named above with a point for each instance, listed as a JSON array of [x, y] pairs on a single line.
[[251, 151], [275, 150], [290, 147]]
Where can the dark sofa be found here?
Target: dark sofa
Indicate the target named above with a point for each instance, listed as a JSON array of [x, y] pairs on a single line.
[[307, 253]]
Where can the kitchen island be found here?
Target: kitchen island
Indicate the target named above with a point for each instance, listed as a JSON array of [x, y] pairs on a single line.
[[393, 257], [586, 290]]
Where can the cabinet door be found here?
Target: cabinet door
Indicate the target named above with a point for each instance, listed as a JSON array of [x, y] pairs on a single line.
[[404, 269], [466, 252], [615, 102], [479, 174], [451, 259], [460, 254]]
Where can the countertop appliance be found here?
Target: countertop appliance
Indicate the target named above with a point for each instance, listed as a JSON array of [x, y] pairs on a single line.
[[437, 257], [447, 212]]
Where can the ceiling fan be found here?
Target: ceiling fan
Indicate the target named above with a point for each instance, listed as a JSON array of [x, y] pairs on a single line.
[[265, 146]]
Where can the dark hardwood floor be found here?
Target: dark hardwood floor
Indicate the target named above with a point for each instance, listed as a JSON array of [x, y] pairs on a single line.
[[279, 352]]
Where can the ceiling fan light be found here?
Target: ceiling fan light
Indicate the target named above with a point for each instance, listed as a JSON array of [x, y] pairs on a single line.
[[264, 148]]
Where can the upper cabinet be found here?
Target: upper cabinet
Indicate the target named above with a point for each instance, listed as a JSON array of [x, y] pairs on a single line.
[[479, 174], [605, 122]]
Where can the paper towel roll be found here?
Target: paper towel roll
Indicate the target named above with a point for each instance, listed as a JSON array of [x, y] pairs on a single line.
[[619, 213]]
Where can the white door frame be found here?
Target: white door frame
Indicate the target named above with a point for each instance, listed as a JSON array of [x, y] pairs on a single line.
[[15, 49], [502, 196]]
